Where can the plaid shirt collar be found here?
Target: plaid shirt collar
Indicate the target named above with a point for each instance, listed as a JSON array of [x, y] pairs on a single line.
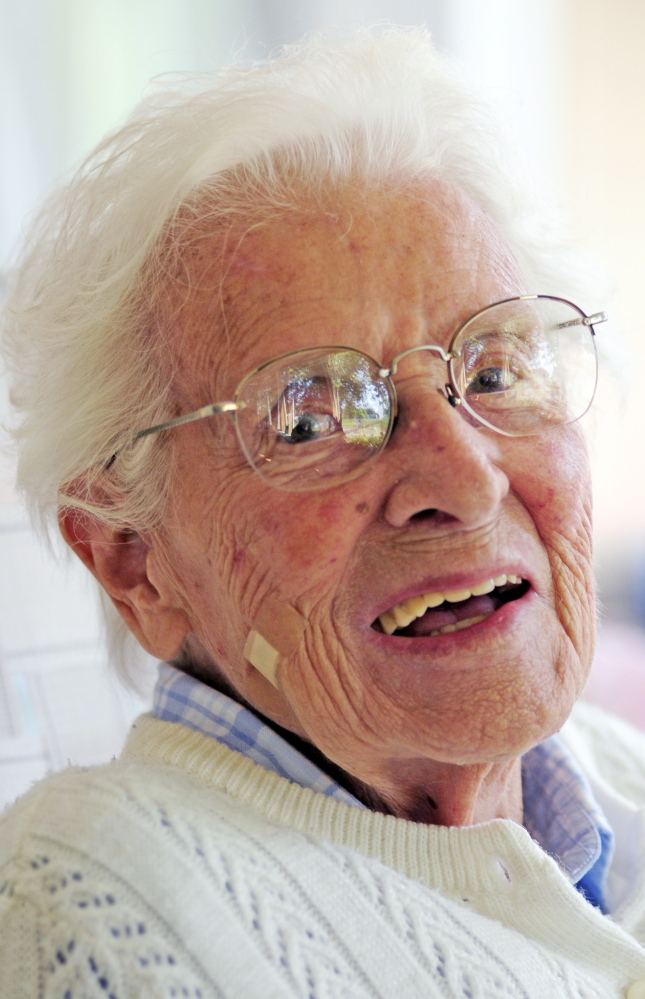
[[560, 812]]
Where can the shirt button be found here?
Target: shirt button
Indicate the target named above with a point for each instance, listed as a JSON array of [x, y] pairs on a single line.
[[637, 989]]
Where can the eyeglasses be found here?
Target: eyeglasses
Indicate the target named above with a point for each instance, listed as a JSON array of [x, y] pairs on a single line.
[[313, 418]]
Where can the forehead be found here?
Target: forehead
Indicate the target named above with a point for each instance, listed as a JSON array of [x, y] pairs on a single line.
[[376, 270]]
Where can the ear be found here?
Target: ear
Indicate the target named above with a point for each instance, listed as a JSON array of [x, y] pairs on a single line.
[[126, 565]]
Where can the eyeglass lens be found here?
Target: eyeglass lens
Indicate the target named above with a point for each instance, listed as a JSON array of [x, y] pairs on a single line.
[[314, 417], [525, 367]]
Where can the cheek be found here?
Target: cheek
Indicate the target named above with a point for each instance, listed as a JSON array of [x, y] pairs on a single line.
[[556, 489], [553, 481], [251, 544], [307, 539]]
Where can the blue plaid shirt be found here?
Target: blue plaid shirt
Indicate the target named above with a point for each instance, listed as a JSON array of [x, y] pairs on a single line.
[[560, 812]]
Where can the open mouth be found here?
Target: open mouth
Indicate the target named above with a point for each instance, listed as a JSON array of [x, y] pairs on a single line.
[[453, 610]]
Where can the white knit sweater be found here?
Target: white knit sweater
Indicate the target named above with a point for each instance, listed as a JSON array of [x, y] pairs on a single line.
[[185, 870]]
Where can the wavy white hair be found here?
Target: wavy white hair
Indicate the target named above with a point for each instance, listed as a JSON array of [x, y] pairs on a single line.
[[83, 341]]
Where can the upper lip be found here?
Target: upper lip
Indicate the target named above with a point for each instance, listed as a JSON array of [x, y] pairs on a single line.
[[455, 581]]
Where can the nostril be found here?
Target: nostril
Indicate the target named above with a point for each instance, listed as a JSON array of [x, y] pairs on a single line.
[[434, 516], [428, 514]]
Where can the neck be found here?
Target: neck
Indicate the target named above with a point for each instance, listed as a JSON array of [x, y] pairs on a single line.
[[449, 794], [427, 791]]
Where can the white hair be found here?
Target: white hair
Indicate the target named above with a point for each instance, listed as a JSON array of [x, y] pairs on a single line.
[[83, 341]]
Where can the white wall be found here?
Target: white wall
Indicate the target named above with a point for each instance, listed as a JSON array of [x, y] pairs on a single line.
[[604, 146]]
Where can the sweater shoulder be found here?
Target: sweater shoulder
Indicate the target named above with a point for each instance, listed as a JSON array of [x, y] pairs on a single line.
[[77, 801], [609, 748]]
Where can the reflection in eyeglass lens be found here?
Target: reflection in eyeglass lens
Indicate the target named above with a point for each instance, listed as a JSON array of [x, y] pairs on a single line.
[[318, 413], [527, 366]]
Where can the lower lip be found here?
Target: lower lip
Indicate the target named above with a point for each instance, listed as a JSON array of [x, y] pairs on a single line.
[[505, 618]]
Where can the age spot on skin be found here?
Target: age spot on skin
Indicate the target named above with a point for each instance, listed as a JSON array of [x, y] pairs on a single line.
[[362, 507], [245, 262], [548, 499]]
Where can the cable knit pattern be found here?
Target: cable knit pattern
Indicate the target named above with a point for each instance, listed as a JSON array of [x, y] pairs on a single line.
[[94, 935], [184, 870]]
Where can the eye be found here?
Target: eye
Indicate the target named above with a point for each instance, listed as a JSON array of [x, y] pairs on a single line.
[[312, 427], [492, 379], [308, 410]]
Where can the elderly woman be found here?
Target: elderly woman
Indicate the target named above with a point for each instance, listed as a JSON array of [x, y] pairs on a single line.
[[287, 380]]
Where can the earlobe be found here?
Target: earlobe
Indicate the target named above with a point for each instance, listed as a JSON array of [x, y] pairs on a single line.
[[125, 564]]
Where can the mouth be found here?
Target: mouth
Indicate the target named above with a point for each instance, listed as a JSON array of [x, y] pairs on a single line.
[[440, 613]]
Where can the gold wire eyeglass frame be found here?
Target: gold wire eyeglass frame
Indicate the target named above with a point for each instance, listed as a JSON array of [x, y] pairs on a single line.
[[450, 389]]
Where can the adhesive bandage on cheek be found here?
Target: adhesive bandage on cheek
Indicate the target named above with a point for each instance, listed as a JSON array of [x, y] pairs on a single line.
[[275, 635]]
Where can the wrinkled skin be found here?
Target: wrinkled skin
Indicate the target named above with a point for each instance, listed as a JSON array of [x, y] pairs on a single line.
[[434, 728]]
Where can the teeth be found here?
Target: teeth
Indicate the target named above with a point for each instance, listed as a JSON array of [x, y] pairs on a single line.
[[416, 606], [460, 625], [454, 596], [388, 623], [402, 616], [405, 613]]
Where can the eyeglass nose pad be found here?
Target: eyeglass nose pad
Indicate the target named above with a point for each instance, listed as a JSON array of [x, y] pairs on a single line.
[[453, 399]]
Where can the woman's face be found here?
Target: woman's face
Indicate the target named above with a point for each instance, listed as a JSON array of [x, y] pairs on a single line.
[[447, 506]]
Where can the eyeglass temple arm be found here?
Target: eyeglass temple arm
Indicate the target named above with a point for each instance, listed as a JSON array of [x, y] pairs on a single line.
[[214, 409], [598, 317]]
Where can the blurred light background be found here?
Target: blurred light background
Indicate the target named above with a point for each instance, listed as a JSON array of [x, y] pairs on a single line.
[[568, 80]]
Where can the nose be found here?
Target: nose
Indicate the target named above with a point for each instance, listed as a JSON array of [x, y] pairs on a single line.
[[442, 463]]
